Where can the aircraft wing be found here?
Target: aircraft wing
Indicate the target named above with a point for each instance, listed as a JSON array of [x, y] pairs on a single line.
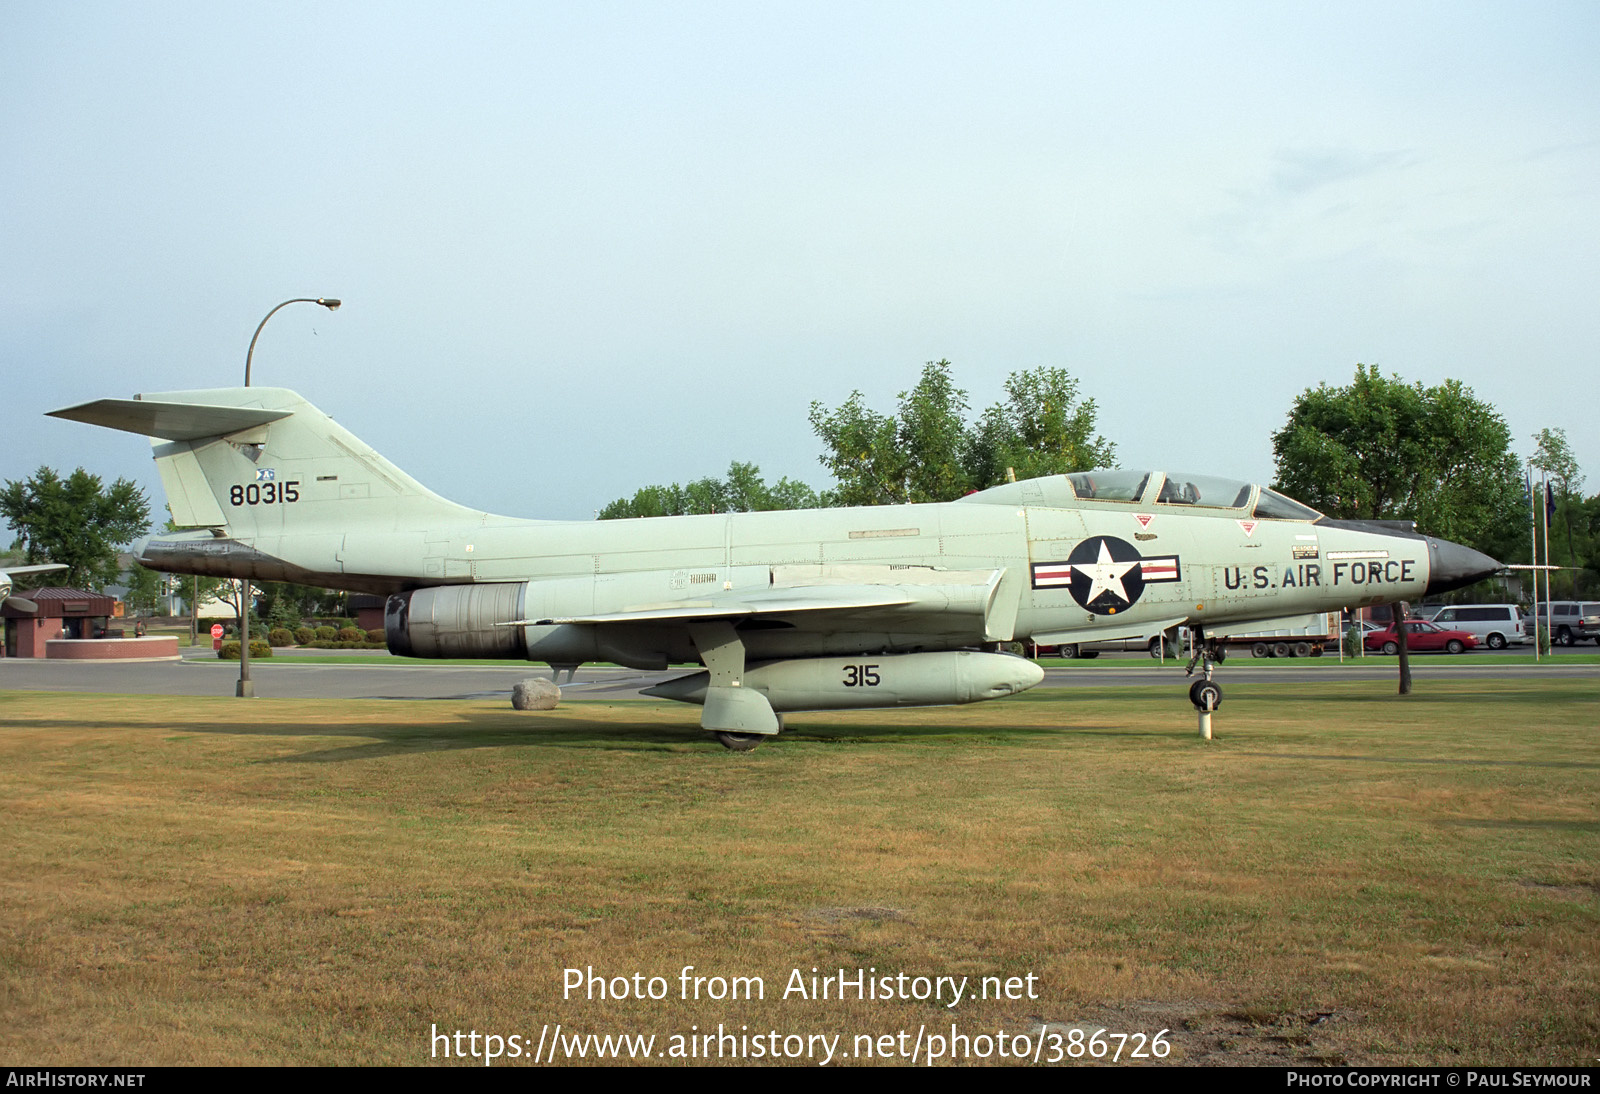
[[8, 572], [777, 602], [36, 568], [871, 598]]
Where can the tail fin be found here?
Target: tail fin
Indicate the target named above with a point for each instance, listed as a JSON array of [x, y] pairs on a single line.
[[262, 460]]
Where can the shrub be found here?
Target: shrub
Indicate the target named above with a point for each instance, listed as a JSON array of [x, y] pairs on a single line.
[[350, 634], [326, 634], [303, 635], [376, 637], [279, 636], [230, 650]]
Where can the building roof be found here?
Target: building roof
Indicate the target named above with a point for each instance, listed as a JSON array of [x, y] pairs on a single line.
[[55, 602], [60, 592]]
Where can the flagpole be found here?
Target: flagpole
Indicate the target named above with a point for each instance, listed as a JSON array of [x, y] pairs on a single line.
[[1533, 540], [1544, 520]]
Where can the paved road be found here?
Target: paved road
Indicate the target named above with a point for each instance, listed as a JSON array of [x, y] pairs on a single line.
[[384, 679], [391, 678], [1232, 672]]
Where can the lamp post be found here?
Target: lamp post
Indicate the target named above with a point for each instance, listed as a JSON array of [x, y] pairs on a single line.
[[326, 301], [247, 686]]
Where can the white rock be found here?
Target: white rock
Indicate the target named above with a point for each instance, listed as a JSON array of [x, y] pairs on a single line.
[[535, 694]]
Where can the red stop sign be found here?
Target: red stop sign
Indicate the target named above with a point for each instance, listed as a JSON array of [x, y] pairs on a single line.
[[216, 630]]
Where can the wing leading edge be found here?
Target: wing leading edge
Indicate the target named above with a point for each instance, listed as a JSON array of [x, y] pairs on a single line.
[[813, 597]]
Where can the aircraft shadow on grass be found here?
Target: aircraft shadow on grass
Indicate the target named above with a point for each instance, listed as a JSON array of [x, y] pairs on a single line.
[[474, 730]]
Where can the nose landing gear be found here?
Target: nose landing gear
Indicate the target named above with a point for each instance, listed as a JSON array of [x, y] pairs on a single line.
[[1205, 693]]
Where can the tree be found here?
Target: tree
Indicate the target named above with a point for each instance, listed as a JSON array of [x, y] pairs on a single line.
[[928, 452], [743, 491], [925, 451], [1382, 449], [282, 604], [1040, 429], [77, 521], [917, 455], [1553, 455], [144, 590]]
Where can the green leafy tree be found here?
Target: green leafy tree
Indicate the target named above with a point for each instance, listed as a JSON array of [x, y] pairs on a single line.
[[743, 491], [1382, 449], [144, 590], [1041, 428], [927, 451], [864, 453], [78, 521], [934, 438], [1588, 521], [282, 604], [1573, 519], [1552, 455]]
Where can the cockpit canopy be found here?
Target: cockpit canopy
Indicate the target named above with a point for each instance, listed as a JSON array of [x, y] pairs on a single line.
[[1150, 488]]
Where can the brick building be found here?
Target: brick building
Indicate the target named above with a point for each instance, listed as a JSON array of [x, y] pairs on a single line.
[[62, 613]]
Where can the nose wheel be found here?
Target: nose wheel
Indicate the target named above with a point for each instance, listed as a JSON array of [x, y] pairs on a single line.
[[1206, 695]]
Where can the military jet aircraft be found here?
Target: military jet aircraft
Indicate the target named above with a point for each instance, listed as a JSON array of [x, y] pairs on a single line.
[[16, 602], [804, 610]]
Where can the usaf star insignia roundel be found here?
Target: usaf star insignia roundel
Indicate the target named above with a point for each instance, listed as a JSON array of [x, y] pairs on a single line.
[[1105, 574]]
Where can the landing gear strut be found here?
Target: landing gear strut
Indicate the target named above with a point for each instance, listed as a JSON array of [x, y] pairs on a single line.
[[1205, 693], [1208, 653], [737, 715]]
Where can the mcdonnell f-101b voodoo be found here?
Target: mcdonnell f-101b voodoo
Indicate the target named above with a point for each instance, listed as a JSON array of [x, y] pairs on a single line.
[[805, 610]]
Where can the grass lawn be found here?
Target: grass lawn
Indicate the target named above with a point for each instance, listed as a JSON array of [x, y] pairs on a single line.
[[1342, 876]]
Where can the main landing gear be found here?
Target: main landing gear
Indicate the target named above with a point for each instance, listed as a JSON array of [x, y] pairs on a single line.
[[743, 742], [737, 716]]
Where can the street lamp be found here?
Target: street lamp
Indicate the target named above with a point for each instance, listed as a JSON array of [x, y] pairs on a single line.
[[247, 686], [326, 301]]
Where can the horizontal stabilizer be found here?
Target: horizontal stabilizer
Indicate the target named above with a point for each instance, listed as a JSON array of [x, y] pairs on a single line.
[[169, 421]]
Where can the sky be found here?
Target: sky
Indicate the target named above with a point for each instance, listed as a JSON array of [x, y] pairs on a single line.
[[583, 248]]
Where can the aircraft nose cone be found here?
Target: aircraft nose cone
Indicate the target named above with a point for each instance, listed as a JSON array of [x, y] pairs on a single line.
[[1451, 566]]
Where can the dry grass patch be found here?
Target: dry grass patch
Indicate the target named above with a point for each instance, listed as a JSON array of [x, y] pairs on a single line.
[[1341, 877]]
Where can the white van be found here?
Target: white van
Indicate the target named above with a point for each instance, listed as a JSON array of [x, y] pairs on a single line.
[[1495, 625]]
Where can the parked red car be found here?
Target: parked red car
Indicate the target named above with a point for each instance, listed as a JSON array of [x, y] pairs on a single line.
[[1421, 636]]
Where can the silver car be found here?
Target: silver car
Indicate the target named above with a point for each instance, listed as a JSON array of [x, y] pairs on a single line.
[[1571, 621]]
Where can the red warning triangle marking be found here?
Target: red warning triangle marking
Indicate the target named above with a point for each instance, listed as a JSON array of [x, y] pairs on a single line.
[[1249, 527], [1144, 519]]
